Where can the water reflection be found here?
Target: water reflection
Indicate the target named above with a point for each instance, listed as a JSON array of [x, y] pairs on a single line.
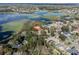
[[4, 35], [1, 28]]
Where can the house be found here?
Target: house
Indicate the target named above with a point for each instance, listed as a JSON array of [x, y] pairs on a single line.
[[73, 51], [41, 30], [38, 29], [76, 29]]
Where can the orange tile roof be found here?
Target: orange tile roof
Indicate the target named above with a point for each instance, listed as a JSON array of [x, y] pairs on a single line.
[[37, 28]]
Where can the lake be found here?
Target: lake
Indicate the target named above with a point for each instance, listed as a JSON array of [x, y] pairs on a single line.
[[5, 18], [5, 35]]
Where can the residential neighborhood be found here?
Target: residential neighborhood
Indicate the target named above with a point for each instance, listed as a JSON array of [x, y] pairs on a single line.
[[39, 29]]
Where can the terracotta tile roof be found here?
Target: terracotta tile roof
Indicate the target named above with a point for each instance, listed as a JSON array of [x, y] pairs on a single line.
[[37, 28]]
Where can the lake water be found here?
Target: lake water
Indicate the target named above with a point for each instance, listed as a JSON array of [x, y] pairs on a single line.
[[5, 18], [5, 35]]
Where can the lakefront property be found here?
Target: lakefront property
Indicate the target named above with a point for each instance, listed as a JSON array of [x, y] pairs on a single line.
[[39, 29]]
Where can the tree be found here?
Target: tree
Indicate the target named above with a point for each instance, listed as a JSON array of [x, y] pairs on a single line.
[[65, 28], [52, 30], [62, 37]]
